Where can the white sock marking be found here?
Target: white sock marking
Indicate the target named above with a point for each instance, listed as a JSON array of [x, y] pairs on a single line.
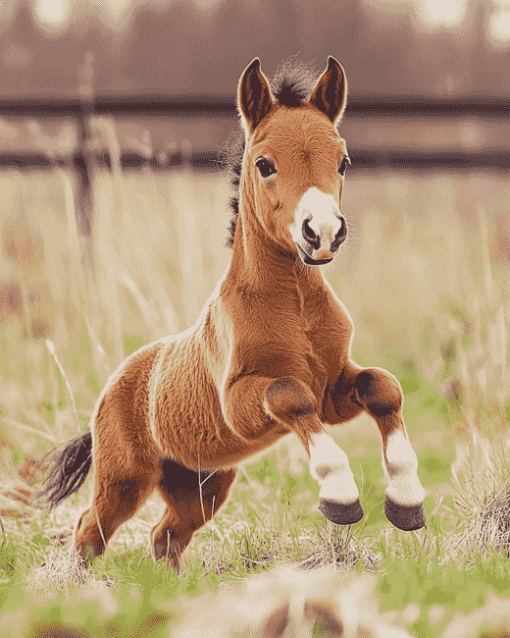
[[401, 465], [329, 466]]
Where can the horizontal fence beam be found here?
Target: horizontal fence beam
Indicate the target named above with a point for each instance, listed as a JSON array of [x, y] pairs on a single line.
[[224, 107], [421, 160], [209, 160], [221, 106]]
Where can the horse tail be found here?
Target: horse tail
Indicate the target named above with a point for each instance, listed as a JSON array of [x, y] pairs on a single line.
[[69, 469]]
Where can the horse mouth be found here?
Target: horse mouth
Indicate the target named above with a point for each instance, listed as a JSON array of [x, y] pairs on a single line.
[[306, 259]]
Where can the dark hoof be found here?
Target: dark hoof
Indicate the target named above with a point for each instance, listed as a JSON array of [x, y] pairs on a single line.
[[405, 517], [341, 514]]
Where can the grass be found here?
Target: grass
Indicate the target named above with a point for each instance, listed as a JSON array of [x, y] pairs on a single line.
[[424, 275]]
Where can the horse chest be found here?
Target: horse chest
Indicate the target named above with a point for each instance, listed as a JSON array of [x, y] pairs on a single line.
[[319, 373]]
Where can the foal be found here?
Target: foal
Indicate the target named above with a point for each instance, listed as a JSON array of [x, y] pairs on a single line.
[[269, 354]]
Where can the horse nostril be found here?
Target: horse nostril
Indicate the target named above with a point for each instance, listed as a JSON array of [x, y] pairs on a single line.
[[310, 236], [340, 236]]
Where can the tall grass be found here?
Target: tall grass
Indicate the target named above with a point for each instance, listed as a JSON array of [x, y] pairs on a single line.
[[426, 279], [156, 254], [424, 274]]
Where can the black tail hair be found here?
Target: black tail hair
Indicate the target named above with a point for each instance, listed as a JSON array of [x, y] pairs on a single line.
[[69, 469]]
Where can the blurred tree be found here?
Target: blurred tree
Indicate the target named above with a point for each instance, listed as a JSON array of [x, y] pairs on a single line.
[[185, 47]]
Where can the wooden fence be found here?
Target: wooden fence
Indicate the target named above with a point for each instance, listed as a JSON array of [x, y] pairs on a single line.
[[393, 115]]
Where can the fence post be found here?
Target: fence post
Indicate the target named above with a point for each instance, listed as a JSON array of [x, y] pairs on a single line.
[[83, 159]]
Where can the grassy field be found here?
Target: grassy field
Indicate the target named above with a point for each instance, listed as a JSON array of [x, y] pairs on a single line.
[[424, 275]]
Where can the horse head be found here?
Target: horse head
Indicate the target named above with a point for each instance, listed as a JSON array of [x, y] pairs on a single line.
[[294, 163]]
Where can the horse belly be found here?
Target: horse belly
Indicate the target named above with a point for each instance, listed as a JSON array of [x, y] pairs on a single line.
[[230, 449]]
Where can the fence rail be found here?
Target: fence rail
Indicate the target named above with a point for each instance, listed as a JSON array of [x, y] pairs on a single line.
[[225, 106], [85, 157], [360, 159], [390, 151]]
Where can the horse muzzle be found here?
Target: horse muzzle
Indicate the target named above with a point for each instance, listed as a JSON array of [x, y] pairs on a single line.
[[318, 247]]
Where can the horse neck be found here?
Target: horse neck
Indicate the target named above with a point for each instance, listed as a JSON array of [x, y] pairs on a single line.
[[263, 267]]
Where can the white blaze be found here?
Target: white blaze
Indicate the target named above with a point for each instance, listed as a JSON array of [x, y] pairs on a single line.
[[323, 215]]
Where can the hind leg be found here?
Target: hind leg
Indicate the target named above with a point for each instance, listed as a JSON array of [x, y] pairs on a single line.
[[127, 461], [188, 508], [119, 493]]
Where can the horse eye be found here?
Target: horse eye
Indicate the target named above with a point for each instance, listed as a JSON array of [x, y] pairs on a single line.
[[266, 167], [343, 164]]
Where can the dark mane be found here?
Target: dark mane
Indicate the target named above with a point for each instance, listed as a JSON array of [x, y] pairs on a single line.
[[291, 86]]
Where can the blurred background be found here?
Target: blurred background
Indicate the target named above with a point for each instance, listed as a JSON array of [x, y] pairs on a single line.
[[409, 64], [427, 48], [113, 207]]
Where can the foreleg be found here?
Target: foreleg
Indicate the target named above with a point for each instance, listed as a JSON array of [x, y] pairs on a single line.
[[329, 466], [380, 394], [256, 404]]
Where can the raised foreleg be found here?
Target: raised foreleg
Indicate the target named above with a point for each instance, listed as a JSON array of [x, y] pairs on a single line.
[[256, 406], [379, 393]]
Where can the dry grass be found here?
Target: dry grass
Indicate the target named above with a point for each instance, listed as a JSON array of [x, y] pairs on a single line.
[[424, 275], [480, 476]]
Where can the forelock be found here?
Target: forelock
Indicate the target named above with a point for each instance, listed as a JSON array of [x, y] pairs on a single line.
[[293, 83]]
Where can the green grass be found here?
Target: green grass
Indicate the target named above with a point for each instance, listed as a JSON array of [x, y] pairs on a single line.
[[425, 278]]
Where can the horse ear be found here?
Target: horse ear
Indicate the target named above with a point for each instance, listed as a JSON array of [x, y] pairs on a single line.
[[255, 99], [330, 92]]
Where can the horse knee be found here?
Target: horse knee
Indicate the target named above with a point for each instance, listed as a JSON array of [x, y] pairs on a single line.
[[379, 392], [288, 399]]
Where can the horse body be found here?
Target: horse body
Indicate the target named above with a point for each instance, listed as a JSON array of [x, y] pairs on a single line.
[[269, 355], [192, 374]]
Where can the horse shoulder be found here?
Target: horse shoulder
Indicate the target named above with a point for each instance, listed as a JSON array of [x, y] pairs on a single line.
[[215, 339]]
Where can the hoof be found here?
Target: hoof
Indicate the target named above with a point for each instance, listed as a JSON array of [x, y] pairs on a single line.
[[341, 514], [405, 517]]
